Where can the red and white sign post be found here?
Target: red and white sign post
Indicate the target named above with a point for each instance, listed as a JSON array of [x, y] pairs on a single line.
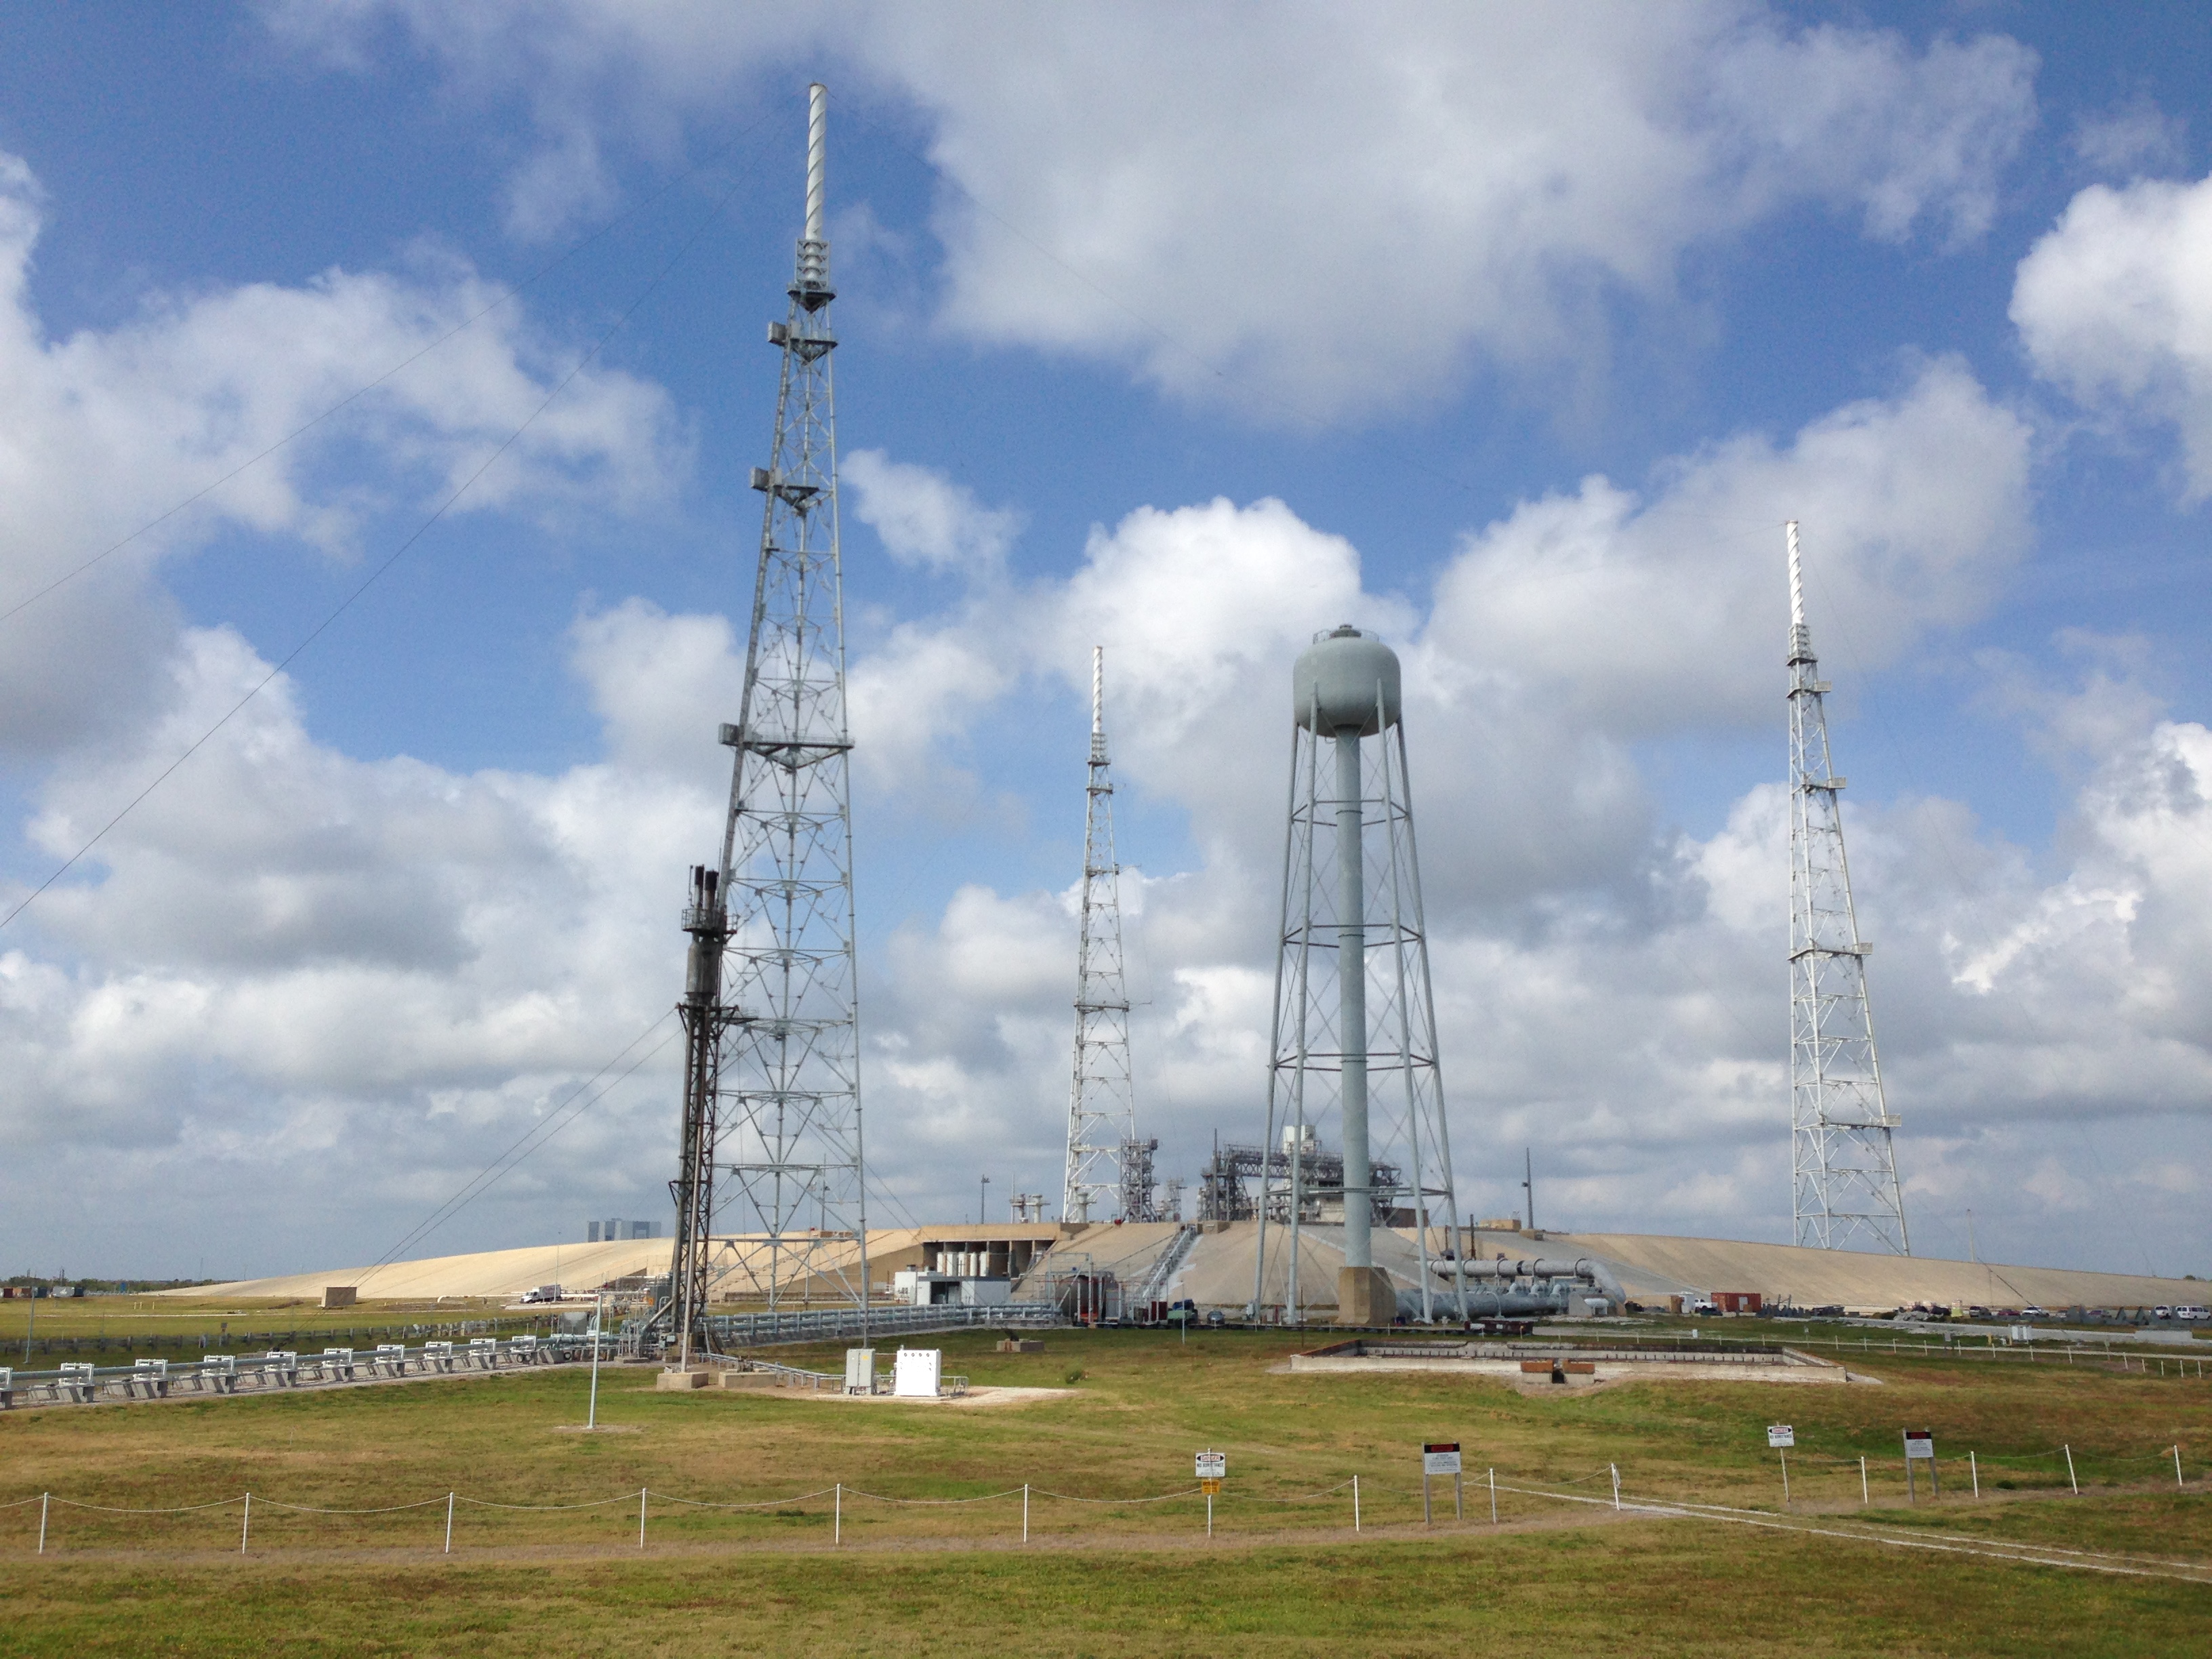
[[1441, 1457]]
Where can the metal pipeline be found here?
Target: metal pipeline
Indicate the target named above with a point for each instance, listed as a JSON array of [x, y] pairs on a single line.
[[1529, 1267]]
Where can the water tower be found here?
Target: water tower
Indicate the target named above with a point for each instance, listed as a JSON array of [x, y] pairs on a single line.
[[1355, 1037]]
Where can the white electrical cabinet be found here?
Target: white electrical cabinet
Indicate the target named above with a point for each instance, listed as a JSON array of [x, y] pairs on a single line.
[[915, 1373]]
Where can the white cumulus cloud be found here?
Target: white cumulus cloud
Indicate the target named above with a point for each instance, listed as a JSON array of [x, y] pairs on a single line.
[[2114, 306], [1289, 178]]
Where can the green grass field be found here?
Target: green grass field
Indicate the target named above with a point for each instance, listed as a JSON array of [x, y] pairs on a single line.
[[1283, 1573]]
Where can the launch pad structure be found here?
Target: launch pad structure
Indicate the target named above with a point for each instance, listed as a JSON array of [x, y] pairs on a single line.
[[772, 1084], [771, 1191]]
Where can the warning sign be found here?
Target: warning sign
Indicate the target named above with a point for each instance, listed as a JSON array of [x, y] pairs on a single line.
[[1780, 1436], [1920, 1442], [1440, 1457], [1213, 1466]]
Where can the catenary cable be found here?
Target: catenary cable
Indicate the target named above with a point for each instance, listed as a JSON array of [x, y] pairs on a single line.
[[530, 1141], [514, 292], [391, 559]]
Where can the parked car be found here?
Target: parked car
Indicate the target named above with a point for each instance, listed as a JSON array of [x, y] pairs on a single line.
[[2161, 1313], [2031, 1311], [2192, 1311]]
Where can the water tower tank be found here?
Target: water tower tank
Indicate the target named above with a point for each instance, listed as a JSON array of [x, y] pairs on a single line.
[[1340, 678]]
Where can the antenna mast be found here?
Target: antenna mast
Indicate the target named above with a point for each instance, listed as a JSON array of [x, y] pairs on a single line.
[[1843, 1186], [772, 1086], [1109, 1168]]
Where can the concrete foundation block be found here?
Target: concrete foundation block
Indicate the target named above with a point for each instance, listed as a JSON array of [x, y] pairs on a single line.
[[676, 1382], [1364, 1295]]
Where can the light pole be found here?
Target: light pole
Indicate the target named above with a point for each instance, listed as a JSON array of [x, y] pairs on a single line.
[[982, 1193], [598, 1323]]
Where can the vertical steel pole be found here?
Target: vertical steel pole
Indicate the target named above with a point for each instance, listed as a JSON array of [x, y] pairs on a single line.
[[1459, 1498], [599, 1324], [641, 1491], [1025, 1512], [1974, 1472], [1312, 744], [1493, 1497], [1394, 875], [2070, 1480], [246, 1524], [1352, 1001], [1426, 1521], [1864, 1495], [837, 1515], [1209, 1514], [449, 1523], [1428, 1010], [1355, 1502], [1786, 1478], [1276, 1040], [44, 1498]]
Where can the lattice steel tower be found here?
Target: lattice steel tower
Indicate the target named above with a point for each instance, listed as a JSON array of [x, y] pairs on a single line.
[[772, 1087], [1352, 925], [1109, 1170], [1843, 1188]]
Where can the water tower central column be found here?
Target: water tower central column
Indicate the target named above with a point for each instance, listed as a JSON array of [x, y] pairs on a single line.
[[1352, 1000]]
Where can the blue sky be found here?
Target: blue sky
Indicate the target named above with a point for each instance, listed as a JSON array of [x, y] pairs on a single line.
[[1514, 335]]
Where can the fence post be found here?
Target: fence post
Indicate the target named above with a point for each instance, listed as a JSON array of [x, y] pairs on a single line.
[[1355, 1493], [2070, 1480], [449, 1523], [1786, 1478], [44, 1498], [1209, 1514], [1615, 1467], [1494, 1496], [641, 1491], [1974, 1469], [246, 1524], [2177, 1480], [1025, 1512], [837, 1515], [1865, 1498]]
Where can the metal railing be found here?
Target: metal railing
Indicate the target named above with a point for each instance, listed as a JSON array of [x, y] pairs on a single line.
[[83, 1383], [761, 1330]]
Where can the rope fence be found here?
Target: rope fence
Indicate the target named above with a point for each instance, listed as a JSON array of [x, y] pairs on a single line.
[[1362, 1495]]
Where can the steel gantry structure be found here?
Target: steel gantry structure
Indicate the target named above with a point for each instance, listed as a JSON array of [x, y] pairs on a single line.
[[772, 1084], [1109, 1168], [1843, 1186]]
